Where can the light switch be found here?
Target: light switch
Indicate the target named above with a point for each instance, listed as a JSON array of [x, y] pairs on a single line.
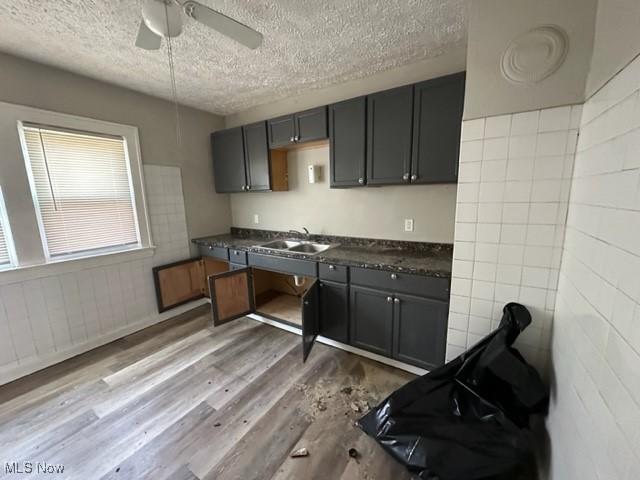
[[256, 218], [408, 224]]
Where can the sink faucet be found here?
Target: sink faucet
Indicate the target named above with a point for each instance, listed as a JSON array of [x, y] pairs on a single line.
[[305, 234]]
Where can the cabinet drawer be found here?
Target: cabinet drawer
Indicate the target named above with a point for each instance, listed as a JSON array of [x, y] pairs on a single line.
[[237, 256], [402, 282], [335, 273], [236, 266], [217, 252], [293, 266]]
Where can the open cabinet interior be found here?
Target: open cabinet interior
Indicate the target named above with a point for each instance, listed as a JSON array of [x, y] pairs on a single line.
[[277, 295]]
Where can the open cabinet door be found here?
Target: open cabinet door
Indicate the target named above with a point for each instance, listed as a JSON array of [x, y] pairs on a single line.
[[231, 295], [310, 318], [178, 283]]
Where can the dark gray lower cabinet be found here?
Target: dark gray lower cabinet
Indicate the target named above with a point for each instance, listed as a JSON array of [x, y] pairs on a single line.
[[310, 318], [334, 311], [419, 330], [371, 320]]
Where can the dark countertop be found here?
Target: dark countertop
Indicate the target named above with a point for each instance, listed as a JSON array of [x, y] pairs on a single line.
[[429, 259]]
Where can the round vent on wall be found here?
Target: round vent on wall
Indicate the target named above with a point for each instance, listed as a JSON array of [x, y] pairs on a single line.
[[533, 56]]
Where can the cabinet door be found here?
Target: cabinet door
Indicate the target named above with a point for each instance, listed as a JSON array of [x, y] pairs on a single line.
[[371, 319], [419, 331], [389, 122], [311, 125], [179, 282], [310, 319], [231, 295], [228, 160], [334, 311], [257, 156], [281, 131], [347, 142], [436, 129]]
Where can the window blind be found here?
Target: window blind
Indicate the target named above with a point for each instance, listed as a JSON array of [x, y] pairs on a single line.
[[82, 186], [4, 250]]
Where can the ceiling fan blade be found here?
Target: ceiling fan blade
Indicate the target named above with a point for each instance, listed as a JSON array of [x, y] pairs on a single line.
[[233, 29], [147, 39]]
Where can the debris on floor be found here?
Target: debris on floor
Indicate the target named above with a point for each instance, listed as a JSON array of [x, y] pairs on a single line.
[[353, 453], [301, 452]]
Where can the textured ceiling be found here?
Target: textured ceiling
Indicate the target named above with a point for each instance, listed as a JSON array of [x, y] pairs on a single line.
[[307, 44]]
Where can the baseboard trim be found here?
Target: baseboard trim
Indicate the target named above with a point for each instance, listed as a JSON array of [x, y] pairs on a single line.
[[33, 364], [348, 348]]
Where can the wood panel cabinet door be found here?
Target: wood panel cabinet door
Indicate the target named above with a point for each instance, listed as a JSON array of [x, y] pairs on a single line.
[[256, 151], [347, 143], [334, 311], [311, 125], [178, 283], [419, 330], [282, 131], [231, 295], [438, 106], [227, 148], [389, 131], [371, 320], [310, 319]]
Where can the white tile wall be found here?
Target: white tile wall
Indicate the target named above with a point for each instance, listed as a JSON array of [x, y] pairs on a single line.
[[43, 318], [594, 422], [512, 194]]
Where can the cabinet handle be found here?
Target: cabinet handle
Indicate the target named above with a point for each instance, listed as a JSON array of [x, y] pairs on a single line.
[[414, 177], [389, 299], [292, 139], [210, 247], [396, 300], [244, 187], [248, 187], [394, 276], [306, 302], [297, 138], [332, 267], [405, 177], [361, 181]]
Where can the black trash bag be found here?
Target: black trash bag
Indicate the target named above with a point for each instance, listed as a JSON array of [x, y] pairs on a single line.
[[469, 418]]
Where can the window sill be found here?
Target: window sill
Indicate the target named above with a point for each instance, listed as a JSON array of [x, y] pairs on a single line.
[[68, 265]]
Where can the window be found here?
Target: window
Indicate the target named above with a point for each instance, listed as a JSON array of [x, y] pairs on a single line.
[[82, 190], [6, 245]]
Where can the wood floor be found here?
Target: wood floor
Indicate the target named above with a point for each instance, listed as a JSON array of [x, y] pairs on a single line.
[[180, 401]]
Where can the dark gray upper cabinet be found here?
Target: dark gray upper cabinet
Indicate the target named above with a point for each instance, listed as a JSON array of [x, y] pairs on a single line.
[[298, 127], [282, 131], [437, 118], [347, 142], [257, 156], [334, 311], [371, 319], [419, 330], [311, 125], [228, 160], [389, 122]]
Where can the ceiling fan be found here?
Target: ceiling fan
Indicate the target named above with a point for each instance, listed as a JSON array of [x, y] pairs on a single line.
[[163, 18]]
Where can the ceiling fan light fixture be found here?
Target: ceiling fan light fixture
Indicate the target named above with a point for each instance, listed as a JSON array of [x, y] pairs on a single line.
[[162, 17]]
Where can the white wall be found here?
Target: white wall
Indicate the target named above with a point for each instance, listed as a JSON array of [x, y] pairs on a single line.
[[53, 312], [493, 24], [594, 422], [512, 195], [617, 40], [374, 212]]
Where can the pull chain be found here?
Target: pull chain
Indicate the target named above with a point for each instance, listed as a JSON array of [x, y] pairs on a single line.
[[172, 72]]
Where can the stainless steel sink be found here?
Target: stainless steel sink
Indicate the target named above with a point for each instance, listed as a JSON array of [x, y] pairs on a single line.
[[296, 246], [281, 244], [311, 248]]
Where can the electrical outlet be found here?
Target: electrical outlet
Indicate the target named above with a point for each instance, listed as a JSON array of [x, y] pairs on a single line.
[[408, 224], [256, 218]]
